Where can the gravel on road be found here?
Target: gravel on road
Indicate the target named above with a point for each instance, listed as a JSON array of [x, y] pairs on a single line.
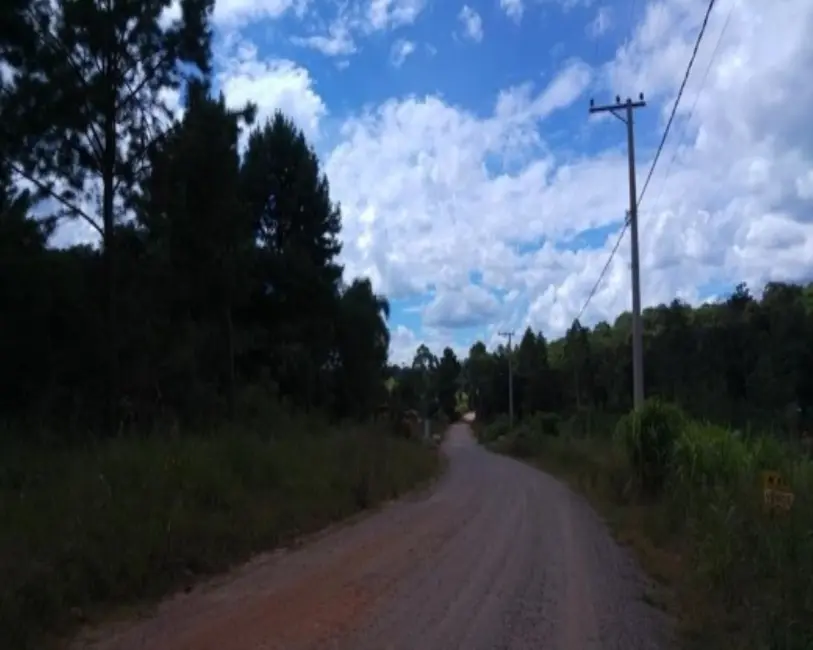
[[497, 555]]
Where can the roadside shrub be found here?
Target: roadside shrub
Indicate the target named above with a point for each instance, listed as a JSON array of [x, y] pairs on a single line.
[[589, 423], [494, 430], [706, 455], [547, 424], [648, 437], [530, 437], [522, 443], [580, 423]]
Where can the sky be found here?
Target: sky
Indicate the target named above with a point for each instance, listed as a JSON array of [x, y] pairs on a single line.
[[480, 196]]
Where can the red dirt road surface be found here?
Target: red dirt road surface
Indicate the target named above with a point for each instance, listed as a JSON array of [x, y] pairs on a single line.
[[495, 556]]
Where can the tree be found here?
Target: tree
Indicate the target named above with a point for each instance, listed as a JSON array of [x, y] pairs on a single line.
[[577, 355], [88, 100], [202, 228], [424, 367], [448, 371], [363, 345], [533, 386], [297, 225]]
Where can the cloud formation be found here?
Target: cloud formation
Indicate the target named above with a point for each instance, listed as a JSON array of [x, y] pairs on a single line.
[[401, 49], [472, 23]]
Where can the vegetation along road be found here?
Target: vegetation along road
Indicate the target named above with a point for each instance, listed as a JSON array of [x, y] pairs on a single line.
[[496, 555]]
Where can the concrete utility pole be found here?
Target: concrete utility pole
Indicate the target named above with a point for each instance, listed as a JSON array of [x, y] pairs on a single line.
[[637, 328], [509, 336]]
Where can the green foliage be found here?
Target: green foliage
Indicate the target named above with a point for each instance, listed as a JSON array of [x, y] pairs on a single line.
[[708, 455], [495, 430], [219, 287], [525, 440], [738, 363], [648, 437], [134, 517], [548, 424], [448, 371], [363, 343], [754, 561]]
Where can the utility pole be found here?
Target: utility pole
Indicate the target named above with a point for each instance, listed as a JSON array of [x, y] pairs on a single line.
[[426, 425], [509, 336], [637, 328]]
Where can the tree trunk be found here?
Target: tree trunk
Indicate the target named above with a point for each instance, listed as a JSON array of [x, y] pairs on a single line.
[[230, 370], [109, 270]]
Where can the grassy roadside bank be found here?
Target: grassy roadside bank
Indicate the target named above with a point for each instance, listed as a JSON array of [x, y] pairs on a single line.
[[736, 577], [82, 530]]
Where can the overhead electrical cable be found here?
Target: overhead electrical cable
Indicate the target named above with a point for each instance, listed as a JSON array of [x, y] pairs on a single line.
[[657, 153]]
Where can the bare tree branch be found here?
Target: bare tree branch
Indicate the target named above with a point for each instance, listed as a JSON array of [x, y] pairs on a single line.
[[44, 188], [147, 77]]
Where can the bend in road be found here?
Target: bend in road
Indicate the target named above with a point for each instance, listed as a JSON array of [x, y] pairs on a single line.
[[496, 556]]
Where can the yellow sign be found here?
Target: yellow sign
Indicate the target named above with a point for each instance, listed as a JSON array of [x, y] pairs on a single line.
[[776, 492]]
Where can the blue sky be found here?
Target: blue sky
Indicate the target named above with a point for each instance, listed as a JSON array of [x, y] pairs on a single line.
[[477, 192]]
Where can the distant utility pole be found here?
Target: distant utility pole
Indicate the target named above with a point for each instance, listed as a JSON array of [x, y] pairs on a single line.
[[637, 329], [426, 425], [509, 336]]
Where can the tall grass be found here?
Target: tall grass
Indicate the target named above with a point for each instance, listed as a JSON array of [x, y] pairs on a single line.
[[759, 563], [745, 576], [132, 518]]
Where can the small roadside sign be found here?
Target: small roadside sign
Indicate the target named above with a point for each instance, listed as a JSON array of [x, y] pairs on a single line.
[[776, 492]]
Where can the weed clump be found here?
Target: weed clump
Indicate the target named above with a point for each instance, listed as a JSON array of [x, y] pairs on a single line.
[[648, 437]]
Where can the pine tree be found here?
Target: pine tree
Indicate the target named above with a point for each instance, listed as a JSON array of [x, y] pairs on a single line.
[[89, 98], [297, 226]]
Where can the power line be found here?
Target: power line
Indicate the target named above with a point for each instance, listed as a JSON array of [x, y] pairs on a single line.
[[677, 99], [606, 267], [696, 100], [626, 220], [659, 150]]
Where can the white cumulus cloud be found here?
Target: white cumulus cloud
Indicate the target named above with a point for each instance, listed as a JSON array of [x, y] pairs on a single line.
[[472, 23], [401, 49], [272, 84], [513, 8]]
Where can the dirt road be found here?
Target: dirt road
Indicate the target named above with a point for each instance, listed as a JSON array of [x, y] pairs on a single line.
[[496, 556]]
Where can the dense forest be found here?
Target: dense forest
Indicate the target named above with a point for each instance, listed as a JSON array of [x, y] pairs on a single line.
[[738, 362], [215, 281]]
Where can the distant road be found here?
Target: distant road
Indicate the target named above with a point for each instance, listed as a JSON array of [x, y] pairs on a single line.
[[496, 556]]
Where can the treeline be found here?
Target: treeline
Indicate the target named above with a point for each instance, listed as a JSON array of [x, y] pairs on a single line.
[[215, 278], [431, 385], [739, 362]]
